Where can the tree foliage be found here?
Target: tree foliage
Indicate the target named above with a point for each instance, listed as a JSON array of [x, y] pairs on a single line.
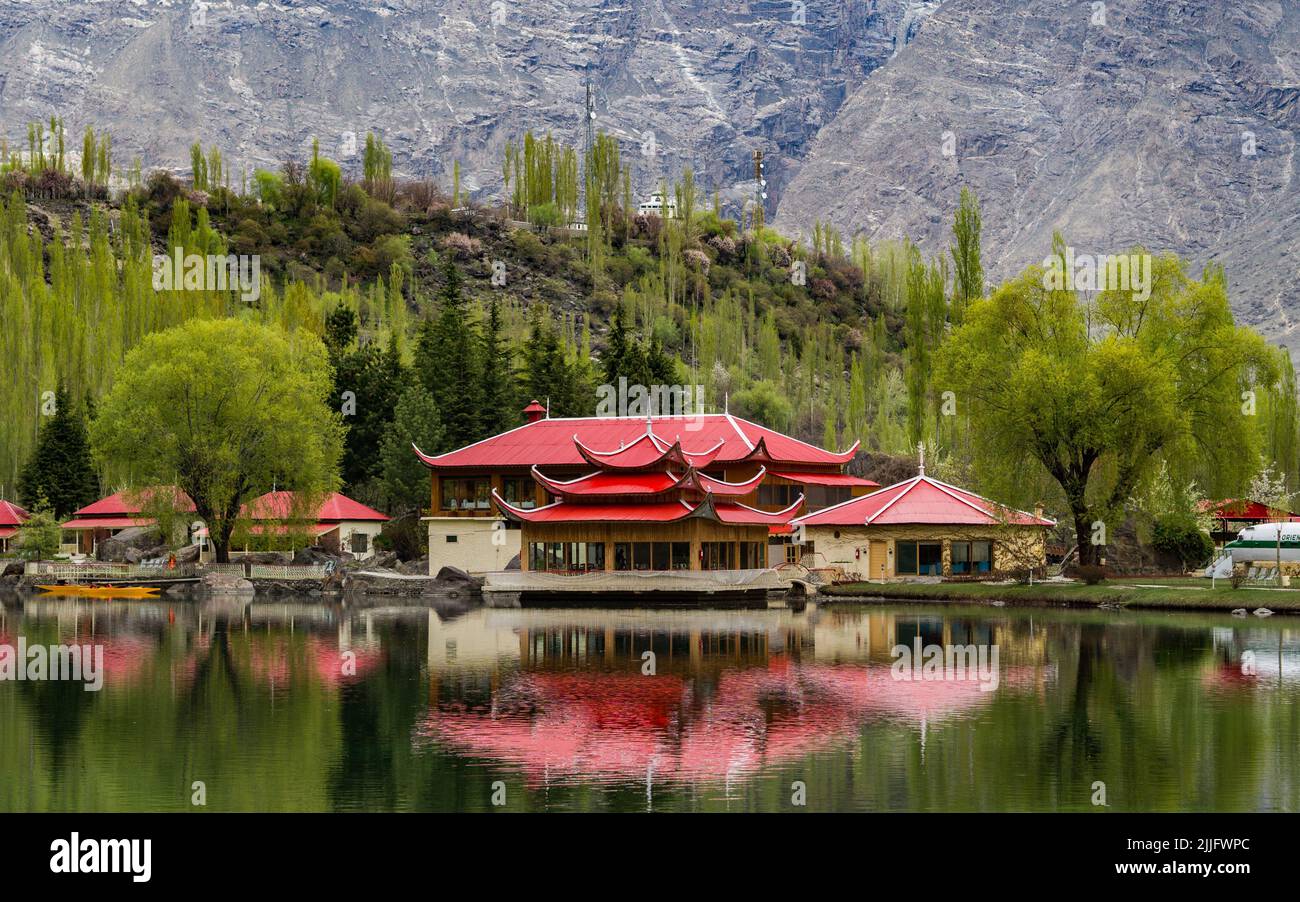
[[224, 409], [1095, 394]]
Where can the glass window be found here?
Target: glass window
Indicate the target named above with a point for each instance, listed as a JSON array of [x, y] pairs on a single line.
[[517, 491], [681, 555], [960, 557], [905, 558], [641, 556], [465, 494], [623, 556], [660, 556], [360, 543]]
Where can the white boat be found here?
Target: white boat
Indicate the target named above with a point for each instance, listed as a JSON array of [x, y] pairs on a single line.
[[1258, 543]]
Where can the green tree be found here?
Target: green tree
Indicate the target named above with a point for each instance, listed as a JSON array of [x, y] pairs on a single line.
[[225, 408], [415, 422], [497, 394], [447, 362], [968, 272], [60, 471], [1096, 394], [40, 535]]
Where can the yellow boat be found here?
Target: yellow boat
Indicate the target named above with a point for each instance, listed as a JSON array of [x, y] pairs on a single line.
[[103, 591]]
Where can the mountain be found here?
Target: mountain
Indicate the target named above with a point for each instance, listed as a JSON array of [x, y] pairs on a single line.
[[1170, 123], [447, 80]]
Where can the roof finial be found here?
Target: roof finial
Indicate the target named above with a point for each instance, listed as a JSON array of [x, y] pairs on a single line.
[[726, 402], [548, 407], [920, 450]]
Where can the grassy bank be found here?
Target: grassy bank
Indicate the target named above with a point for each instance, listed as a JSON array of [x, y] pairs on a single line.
[[1172, 594]]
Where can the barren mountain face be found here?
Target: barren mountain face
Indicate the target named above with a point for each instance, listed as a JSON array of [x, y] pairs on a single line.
[[1168, 122], [1173, 124], [681, 82]]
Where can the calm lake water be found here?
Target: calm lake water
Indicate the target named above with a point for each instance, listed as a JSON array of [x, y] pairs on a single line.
[[305, 707]]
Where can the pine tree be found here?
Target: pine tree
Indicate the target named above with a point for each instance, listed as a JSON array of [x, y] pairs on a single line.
[[498, 389], [60, 471], [447, 361], [415, 422]]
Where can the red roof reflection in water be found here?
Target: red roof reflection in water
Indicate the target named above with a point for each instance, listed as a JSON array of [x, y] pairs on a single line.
[[617, 727]]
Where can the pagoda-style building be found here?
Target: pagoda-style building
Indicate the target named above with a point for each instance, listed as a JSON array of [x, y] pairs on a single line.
[[629, 487], [645, 506]]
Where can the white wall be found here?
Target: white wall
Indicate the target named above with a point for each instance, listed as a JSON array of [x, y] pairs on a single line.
[[479, 547]]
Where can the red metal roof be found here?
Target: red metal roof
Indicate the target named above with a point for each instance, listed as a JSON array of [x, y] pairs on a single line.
[[336, 507], [921, 499], [826, 479], [652, 512], [107, 522], [549, 442], [560, 512], [647, 451], [127, 501], [317, 529], [8, 532], [11, 515], [1245, 509], [731, 512], [604, 484]]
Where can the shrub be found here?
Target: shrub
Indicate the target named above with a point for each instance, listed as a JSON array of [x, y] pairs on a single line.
[[1090, 573], [696, 260], [461, 246], [1182, 540]]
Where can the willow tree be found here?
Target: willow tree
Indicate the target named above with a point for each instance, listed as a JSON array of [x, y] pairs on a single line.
[[226, 409], [1096, 394]]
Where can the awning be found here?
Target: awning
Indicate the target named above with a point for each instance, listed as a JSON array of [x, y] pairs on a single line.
[[826, 479], [107, 523], [316, 529]]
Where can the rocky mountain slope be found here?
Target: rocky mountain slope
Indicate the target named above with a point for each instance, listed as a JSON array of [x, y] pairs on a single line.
[[1174, 123], [697, 82]]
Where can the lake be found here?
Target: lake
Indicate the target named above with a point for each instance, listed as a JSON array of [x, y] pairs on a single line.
[[299, 706]]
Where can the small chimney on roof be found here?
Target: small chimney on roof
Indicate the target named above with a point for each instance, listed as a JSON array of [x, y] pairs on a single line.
[[1038, 511], [534, 412]]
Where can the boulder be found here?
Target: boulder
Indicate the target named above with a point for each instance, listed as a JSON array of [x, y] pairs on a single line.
[[455, 578], [315, 555], [12, 568], [417, 567], [226, 584], [134, 538]]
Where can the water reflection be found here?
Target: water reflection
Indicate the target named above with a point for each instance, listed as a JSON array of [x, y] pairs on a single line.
[[301, 706]]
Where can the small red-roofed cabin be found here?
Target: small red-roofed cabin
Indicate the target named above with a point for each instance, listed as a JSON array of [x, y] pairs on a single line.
[[108, 516], [277, 521], [922, 527], [658, 492], [12, 517]]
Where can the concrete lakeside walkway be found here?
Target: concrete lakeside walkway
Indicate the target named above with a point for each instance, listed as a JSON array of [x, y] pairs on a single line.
[[1175, 593]]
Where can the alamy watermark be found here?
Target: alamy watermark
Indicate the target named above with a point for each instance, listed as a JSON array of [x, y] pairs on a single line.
[[55, 663], [635, 400], [946, 663], [209, 272], [1098, 272]]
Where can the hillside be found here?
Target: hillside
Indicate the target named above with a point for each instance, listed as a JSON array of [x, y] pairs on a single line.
[[448, 80], [1173, 124]]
